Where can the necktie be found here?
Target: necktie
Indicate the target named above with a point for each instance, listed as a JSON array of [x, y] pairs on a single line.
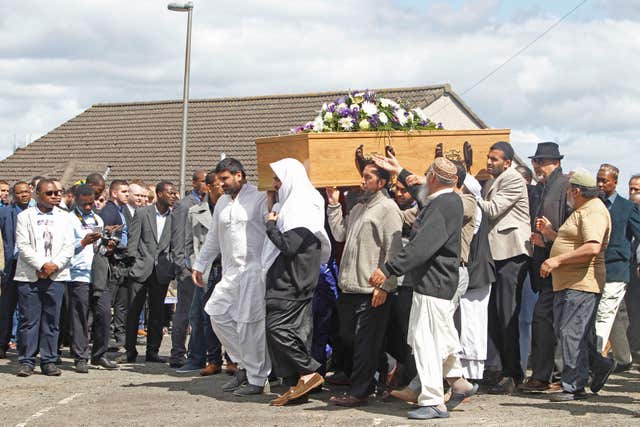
[[607, 203]]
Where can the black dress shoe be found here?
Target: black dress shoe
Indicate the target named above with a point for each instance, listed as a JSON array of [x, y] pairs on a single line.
[[153, 357], [51, 370], [177, 364], [3, 353], [126, 358], [25, 370], [599, 378], [623, 367], [81, 367], [105, 363], [566, 396]]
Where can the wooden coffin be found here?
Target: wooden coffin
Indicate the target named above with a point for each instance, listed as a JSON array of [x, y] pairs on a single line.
[[329, 156]]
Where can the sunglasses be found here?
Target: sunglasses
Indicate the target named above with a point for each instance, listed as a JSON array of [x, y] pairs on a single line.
[[52, 193]]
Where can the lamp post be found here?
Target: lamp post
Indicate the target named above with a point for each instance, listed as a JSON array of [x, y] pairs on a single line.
[[184, 7]]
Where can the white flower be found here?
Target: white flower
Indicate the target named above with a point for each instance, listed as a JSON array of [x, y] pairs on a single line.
[[341, 106], [364, 124], [328, 116], [324, 107], [420, 113], [318, 124], [369, 108], [399, 113], [386, 102], [383, 118], [346, 123]]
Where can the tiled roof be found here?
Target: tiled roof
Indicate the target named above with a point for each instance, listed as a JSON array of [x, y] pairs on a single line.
[[143, 139]]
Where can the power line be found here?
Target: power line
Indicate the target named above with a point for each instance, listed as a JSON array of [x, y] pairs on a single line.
[[518, 53]]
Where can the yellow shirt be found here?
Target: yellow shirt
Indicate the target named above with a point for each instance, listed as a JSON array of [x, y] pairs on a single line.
[[591, 222]]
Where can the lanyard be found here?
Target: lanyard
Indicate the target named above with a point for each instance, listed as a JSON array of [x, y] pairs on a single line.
[[83, 222]]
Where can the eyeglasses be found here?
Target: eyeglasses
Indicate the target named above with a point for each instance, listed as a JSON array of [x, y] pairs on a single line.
[[52, 193], [101, 200]]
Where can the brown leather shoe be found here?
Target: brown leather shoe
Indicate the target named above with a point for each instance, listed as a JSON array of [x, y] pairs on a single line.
[[406, 395], [557, 386], [348, 401], [533, 385], [231, 368], [303, 388], [211, 369], [283, 399]]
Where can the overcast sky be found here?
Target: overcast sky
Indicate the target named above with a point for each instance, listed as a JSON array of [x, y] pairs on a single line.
[[578, 86]]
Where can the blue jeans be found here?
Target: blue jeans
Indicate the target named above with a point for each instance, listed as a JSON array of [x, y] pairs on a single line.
[[204, 344], [39, 304]]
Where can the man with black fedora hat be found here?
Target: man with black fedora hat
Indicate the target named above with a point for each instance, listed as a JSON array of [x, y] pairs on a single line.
[[549, 202]]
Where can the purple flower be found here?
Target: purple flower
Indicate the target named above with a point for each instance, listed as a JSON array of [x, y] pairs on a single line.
[[344, 112], [308, 126], [331, 107], [355, 108], [374, 121], [440, 125], [341, 100], [424, 123]]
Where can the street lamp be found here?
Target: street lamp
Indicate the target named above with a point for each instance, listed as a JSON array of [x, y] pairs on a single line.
[[184, 7]]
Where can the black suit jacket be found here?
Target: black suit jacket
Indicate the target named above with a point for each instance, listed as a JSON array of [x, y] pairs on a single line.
[[8, 220], [550, 201], [482, 269], [153, 251], [625, 226]]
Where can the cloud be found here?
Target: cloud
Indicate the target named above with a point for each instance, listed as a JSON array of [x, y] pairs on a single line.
[[578, 84]]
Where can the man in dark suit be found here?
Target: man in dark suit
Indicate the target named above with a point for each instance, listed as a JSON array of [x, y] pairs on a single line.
[[183, 269], [550, 202], [151, 272], [9, 296], [506, 206], [111, 269], [625, 220]]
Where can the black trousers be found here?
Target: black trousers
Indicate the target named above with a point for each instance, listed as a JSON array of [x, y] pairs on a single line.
[[504, 311], [632, 303], [543, 337], [82, 302], [397, 331], [362, 330], [289, 326], [138, 293], [8, 304], [120, 304], [180, 323]]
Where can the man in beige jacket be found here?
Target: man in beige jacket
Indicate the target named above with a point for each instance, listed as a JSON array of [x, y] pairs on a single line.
[[507, 208], [372, 233]]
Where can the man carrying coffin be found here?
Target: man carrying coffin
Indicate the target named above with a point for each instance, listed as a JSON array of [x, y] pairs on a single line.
[[297, 245], [430, 264], [237, 305]]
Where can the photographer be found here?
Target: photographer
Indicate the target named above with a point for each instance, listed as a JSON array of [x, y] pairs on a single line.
[[111, 267], [88, 235]]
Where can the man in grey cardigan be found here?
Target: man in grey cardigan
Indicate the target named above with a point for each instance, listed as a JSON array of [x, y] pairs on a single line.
[[372, 234]]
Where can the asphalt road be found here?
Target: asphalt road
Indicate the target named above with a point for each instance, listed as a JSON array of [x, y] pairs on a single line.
[[153, 395]]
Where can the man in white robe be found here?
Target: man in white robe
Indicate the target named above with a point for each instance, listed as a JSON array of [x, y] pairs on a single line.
[[237, 305]]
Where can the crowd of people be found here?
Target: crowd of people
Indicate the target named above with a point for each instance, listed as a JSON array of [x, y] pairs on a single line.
[[416, 287]]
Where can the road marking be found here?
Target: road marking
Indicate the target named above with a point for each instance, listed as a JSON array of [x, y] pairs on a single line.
[[41, 412], [68, 399]]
